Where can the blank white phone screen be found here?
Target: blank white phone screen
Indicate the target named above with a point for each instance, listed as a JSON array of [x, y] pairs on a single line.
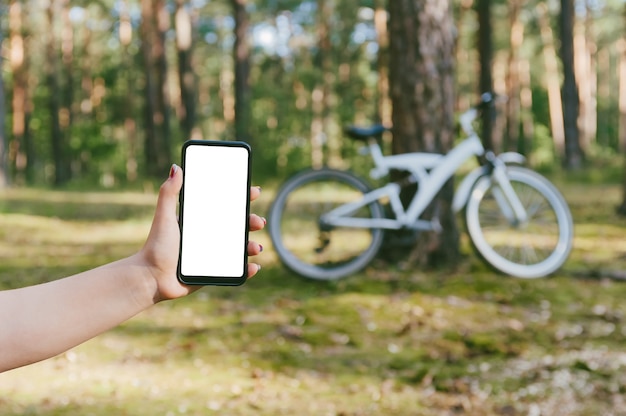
[[214, 211]]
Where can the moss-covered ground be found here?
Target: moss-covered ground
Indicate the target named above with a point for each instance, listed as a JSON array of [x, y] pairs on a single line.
[[383, 342]]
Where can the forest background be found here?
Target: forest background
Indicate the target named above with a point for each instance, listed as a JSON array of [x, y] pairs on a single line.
[[104, 93], [100, 95]]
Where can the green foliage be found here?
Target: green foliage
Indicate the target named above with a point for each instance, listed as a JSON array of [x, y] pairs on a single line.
[[283, 77], [543, 156]]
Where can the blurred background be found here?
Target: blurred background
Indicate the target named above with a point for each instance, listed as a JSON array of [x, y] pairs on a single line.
[[103, 93]]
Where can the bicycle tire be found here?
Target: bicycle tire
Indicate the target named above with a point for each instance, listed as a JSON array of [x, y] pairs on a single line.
[[294, 218], [534, 249]]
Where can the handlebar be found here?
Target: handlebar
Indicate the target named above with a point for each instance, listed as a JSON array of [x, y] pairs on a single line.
[[487, 100]]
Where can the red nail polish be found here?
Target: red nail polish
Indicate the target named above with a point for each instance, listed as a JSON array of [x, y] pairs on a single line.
[[173, 170]]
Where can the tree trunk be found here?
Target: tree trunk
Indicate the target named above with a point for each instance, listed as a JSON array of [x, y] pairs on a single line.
[[421, 85], [66, 84], [485, 51], [526, 108], [154, 24], [321, 90], [186, 76], [243, 93], [4, 178], [621, 209], [87, 99], [128, 111], [384, 104], [622, 94], [18, 162], [552, 81], [586, 79], [466, 78], [147, 40], [57, 141], [569, 89], [605, 120], [228, 99], [513, 106]]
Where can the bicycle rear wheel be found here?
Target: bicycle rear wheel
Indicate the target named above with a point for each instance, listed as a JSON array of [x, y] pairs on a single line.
[[532, 249], [310, 248]]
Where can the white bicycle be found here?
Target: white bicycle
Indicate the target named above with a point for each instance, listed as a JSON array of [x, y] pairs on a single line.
[[326, 224]]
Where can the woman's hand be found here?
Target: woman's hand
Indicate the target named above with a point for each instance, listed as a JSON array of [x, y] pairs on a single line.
[[160, 252], [68, 311]]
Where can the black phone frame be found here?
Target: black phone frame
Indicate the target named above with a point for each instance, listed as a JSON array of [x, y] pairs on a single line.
[[214, 280]]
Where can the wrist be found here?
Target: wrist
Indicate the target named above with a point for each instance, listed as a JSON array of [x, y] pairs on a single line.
[[161, 282], [142, 282]]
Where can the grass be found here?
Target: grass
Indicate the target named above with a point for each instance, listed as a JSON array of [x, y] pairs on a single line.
[[385, 341]]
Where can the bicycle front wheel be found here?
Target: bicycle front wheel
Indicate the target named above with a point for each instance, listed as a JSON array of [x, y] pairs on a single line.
[[313, 249], [532, 249]]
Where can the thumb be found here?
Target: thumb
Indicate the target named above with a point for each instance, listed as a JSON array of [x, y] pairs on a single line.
[[161, 248], [168, 194]]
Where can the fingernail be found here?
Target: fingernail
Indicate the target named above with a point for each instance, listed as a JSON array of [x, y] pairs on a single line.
[[259, 188], [264, 221], [173, 170], [260, 248], [258, 268]]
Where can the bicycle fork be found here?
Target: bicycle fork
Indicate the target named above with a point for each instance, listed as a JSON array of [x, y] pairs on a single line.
[[504, 194]]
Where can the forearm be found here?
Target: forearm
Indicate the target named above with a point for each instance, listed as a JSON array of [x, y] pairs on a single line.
[[41, 321]]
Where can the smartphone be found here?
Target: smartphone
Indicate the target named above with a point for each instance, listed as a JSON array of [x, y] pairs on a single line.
[[214, 212]]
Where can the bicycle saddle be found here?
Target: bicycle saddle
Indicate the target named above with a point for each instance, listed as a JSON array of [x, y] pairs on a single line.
[[363, 133]]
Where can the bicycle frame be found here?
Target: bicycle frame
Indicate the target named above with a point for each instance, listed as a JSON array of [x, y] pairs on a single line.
[[431, 172]]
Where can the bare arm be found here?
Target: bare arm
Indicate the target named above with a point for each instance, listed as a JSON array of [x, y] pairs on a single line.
[[41, 321]]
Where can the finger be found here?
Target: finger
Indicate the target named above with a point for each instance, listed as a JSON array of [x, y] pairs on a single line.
[[255, 192], [254, 248], [257, 223], [253, 269]]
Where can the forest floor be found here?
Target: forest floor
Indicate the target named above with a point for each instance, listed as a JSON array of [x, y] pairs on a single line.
[[382, 342]]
